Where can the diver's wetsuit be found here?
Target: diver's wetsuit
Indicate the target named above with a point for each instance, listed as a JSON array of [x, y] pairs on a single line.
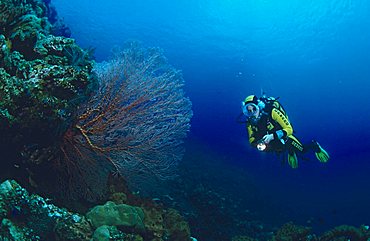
[[269, 129], [270, 123]]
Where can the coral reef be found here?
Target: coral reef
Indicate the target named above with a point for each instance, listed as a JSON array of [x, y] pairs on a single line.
[[176, 227], [10, 231], [112, 214], [43, 77], [291, 232], [242, 238], [27, 215], [345, 232], [133, 125], [30, 217], [67, 125], [160, 223]]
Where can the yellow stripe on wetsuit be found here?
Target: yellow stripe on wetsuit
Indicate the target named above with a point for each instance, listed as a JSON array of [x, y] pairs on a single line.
[[280, 118]]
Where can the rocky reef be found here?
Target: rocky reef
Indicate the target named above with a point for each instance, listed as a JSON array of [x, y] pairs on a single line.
[[292, 232], [26, 216], [43, 76]]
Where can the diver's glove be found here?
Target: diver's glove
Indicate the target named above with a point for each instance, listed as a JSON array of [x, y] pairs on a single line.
[[320, 153], [267, 138], [292, 160]]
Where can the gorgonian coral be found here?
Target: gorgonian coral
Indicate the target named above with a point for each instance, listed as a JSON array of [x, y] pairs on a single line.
[[137, 120]]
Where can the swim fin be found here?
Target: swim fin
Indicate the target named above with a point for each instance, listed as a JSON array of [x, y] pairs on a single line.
[[320, 153], [292, 160]]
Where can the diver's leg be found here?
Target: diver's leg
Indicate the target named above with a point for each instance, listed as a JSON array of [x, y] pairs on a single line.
[[314, 146], [294, 146]]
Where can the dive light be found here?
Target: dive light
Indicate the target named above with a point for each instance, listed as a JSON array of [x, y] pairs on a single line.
[[261, 145]]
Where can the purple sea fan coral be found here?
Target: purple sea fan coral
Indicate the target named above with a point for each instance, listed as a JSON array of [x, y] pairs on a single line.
[[138, 118]]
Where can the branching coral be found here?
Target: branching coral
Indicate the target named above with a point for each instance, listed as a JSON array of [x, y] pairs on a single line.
[[138, 118], [133, 125]]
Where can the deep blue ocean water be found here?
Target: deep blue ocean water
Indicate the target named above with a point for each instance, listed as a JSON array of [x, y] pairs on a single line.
[[314, 55]]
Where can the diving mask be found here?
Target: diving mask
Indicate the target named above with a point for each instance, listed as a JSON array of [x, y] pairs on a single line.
[[250, 109]]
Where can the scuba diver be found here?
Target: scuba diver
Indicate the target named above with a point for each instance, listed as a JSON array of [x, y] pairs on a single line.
[[269, 129]]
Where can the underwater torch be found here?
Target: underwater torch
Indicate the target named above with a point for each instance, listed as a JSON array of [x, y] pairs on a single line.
[[261, 145]]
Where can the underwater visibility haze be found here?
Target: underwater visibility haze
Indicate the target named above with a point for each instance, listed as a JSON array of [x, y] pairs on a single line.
[[313, 55]]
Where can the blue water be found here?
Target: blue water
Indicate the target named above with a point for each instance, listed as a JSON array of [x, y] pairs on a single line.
[[314, 55]]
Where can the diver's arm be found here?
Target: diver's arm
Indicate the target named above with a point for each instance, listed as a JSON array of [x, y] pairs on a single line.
[[286, 127]]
